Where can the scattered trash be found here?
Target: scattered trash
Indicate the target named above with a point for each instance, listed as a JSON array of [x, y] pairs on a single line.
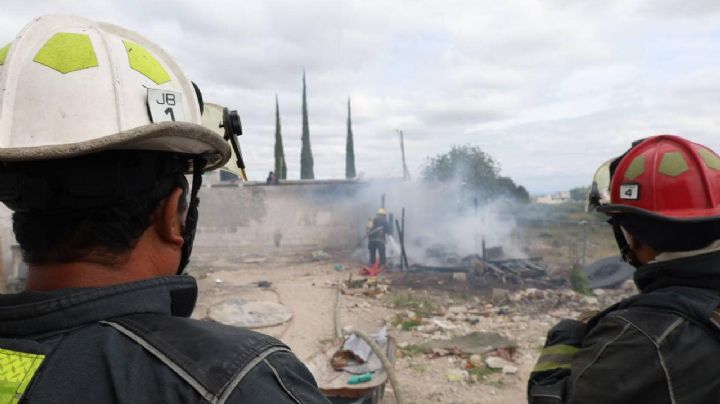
[[372, 271], [357, 379], [219, 281], [264, 284], [355, 356], [458, 375]]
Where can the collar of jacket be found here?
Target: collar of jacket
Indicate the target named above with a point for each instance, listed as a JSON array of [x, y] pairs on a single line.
[[699, 271], [34, 313]]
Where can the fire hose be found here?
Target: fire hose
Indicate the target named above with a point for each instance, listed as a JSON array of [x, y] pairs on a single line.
[[375, 348]]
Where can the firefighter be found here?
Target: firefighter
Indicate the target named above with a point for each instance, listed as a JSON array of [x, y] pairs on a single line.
[[98, 129], [661, 345], [378, 228]]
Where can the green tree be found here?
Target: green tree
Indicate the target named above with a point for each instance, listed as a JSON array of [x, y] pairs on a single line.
[[579, 194], [476, 171], [307, 171], [349, 148], [280, 167]]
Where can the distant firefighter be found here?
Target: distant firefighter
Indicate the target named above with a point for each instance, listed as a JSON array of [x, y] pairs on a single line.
[[378, 228]]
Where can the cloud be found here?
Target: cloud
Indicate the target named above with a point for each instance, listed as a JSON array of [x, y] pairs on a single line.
[[551, 89]]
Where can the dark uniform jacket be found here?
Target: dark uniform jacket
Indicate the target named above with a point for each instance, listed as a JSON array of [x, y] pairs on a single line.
[[132, 343], [380, 228], [661, 346]]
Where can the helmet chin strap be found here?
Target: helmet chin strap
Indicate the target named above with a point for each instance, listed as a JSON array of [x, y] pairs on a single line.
[[627, 254], [192, 215]]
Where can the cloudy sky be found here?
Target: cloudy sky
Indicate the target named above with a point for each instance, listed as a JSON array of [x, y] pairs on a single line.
[[550, 88]]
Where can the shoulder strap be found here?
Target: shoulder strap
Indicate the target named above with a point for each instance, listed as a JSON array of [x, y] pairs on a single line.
[[211, 357], [699, 306]]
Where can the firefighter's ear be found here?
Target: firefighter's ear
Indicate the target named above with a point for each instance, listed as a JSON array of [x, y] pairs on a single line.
[[169, 219], [642, 251], [633, 242]]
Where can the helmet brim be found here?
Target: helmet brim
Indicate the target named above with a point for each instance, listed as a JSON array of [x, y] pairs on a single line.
[[677, 216], [175, 137]]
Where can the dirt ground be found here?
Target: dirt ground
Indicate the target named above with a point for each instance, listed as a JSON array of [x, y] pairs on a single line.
[[413, 315]]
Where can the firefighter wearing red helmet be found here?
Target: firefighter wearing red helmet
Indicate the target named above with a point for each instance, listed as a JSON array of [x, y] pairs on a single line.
[[661, 345]]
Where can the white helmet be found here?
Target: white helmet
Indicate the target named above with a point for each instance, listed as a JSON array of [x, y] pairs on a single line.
[[70, 86]]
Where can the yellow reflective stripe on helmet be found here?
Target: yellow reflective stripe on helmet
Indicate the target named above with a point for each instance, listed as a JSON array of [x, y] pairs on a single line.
[[145, 63], [636, 167], [3, 53], [711, 159], [16, 371], [673, 164], [67, 52]]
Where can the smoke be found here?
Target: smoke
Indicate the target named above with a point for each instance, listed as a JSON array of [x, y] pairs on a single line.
[[443, 221]]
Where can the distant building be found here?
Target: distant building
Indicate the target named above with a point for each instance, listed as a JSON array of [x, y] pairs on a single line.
[[554, 199]]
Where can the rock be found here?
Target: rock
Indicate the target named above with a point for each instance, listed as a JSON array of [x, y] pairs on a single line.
[[496, 362], [254, 260], [476, 361], [443, 325], [457, 309], [534, 294], [320, 255], [459, 276], [458, 375], [590, 300], [499, 294], [403, 344], [427, 328], [599, 292], [509, 370], [629, 286]]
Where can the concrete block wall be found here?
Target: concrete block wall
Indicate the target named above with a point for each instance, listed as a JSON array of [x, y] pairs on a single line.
[[302, 214]]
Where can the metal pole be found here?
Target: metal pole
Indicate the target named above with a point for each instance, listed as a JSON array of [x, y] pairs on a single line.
[[406, 172], [584, 225]]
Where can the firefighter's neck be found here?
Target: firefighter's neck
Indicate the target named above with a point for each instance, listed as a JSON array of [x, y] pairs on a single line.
[[156, 253]]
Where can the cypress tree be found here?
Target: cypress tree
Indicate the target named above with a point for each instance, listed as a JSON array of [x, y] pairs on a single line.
[[280, 167], [306, 159], [349, 148]]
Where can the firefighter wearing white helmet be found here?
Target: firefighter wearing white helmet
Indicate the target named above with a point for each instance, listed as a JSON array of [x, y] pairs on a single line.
[[98, 127]]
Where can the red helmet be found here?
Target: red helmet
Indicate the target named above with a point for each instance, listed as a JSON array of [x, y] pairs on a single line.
[[663, 176]]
